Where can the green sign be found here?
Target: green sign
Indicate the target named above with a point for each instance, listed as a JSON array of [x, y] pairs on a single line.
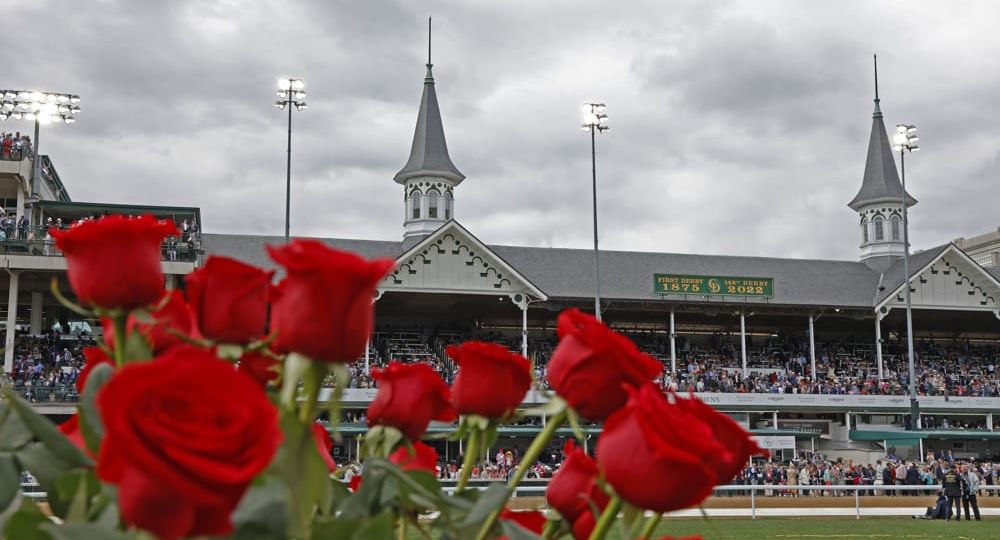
[[713, 285]]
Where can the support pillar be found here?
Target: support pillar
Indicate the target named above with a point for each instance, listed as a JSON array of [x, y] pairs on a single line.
[[368, 344], [847, 420], [673, 346], [170, 283], [36, 313], [20, 202], [743, 341], [8, 352], [989, 421], [878, 344], [812, 347], [524, 328], [774, 419]]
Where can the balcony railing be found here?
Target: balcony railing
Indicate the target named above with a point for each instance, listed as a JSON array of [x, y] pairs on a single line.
[[16, 152], [37, 242]]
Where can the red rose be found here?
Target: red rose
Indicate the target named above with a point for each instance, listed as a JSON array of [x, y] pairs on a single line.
[[584, 525], [656, 455], [591, 363], [114, 262], [323, 308], [573, 488], [423, 458], [185, 435], [229, 299], [172, 317], [261, 366], [324, 444], [409, 397], [491, 380], [531, 520], [728, 433], [93, 356]]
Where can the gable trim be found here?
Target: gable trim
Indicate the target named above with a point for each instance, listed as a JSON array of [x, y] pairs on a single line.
[[951, 248]]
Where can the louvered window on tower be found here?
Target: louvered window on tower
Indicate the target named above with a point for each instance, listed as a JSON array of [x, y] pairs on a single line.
[[864, 231], [415, 204], [894, 223], [432, 203], [879, 232]]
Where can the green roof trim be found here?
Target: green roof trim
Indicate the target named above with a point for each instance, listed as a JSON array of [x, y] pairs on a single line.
[[896, 436]]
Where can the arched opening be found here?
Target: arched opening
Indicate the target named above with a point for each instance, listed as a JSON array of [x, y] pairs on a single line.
[[864, 231], [432, 203], [894, 222], [878, 221], [415, 205], [448, 202]]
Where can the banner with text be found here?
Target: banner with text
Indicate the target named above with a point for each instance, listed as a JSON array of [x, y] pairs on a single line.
[[713, 285]]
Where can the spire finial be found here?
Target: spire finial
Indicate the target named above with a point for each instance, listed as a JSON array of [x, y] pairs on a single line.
[[429, 78], [878, 111]]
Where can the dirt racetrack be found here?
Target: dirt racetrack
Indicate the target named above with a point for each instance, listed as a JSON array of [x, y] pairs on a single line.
[[797, 502]]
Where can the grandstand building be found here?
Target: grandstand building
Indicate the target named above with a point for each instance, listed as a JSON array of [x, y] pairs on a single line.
[[807, 353]]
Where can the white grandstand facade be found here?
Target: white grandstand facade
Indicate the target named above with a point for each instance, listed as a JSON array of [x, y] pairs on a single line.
[[801, 348]]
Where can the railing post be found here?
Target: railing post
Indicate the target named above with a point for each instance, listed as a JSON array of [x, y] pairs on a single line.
[[753, 502], [857, 503]]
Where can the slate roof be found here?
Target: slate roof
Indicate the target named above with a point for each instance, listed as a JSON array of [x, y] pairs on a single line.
[[995, 270], [429, 153], [880, 181], [568, 273]]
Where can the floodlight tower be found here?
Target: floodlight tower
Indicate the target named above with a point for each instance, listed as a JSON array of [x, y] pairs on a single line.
[[292, 93], [905, 140], [595, 120]]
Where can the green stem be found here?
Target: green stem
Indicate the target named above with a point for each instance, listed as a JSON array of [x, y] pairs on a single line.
[[607, 518], [402, 527], [471, 455], [312, 382], [119, 318], [551, 526], [540, 443], [650, 526]]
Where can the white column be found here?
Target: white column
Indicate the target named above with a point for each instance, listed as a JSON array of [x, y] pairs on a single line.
[[36, 313], [812, 347], [673, 345], [989, 421], [743, 341], [878, 343], [8, 354], [774, 419], [524, 328], [170, 283], [20, 202], [367, 352], [847, 420]]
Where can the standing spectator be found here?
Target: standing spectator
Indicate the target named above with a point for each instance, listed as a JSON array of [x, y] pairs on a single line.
[[912, 478], [954, 488], [972, 482]]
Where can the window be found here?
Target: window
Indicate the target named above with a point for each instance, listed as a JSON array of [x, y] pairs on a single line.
[[448, 202], [879, 231], [894, 226], [415, 204], [864, 231], [432, 203]]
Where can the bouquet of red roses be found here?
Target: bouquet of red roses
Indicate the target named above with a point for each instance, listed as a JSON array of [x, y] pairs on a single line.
[[198, 414]]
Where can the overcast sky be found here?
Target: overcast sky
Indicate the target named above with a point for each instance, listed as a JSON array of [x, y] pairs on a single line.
[[737, 127]]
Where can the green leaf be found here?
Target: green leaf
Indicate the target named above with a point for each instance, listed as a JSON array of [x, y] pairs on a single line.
[[137, 348], [47, 433], [490, 499], [24, 524], [77, 487], [513, 531], [339, 528], [90, 418], [263, 513], [82, 531], [13, 433], [46, 468], [378, 528], [10, 480]]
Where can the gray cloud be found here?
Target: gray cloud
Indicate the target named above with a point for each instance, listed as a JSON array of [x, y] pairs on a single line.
[[738, 127]]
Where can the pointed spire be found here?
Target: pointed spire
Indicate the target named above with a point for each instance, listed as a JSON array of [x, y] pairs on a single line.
[[881, 181], [429, 153], [878, 111]]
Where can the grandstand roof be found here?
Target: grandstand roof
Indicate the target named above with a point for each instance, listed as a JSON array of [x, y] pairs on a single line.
[[568, 273]]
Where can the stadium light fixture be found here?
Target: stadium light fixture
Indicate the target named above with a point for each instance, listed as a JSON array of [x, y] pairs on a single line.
[[905, 140], [43, 108], [291, 93], [595, 120]]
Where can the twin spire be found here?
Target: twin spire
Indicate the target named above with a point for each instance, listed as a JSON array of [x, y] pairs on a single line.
[[429, 153], [880, 181]]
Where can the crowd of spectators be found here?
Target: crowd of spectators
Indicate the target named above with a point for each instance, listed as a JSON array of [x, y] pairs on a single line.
[[46, 366], [15, 146]]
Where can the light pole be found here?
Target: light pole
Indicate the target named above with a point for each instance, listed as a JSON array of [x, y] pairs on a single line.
[[905, 140], [595, 121], [43, 108], [292, 93]]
